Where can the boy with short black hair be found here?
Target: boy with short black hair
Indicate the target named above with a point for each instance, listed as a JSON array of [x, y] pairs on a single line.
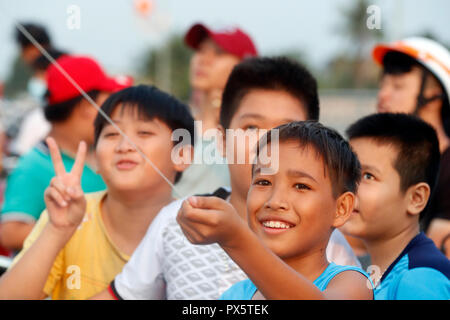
[[80, 243], [165, 265], [399, 156], [293, 207], [416, 80], [71, 117]]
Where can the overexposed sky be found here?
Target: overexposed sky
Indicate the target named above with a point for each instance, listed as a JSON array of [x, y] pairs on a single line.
[[113, 32]]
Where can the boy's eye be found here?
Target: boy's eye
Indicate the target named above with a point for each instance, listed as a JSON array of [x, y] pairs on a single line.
[[250, 127], [302, 186], [110, 134], [368, 176], [262, 182], [144, 133]]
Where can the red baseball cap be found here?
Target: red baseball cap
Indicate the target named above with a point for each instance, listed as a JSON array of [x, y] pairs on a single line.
[[86, 72], [232, 40]]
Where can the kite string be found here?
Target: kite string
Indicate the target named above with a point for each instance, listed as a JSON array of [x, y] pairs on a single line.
[[93, 103]]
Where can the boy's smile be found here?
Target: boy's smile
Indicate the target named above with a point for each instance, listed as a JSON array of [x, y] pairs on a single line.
[[126, 164], [288, 209]]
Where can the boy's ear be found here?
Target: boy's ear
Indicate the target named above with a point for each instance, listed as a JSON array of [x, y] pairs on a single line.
[[185, 157], [417, 197], [344, 208]]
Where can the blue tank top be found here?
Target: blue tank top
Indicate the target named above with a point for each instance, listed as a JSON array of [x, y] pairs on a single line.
[[245, 290]]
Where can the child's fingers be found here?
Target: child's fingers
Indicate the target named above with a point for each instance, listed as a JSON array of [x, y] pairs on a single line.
[[78, 166], [55, 196], [207, 202], [57, 184], [192, 234], [76, 193], [190, 214], [55, 156]]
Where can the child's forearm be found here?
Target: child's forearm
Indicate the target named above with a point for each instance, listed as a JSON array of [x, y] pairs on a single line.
[[273, 278], [26, 279]]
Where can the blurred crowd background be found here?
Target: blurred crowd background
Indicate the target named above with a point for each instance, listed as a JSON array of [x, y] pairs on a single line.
[[143, 39]]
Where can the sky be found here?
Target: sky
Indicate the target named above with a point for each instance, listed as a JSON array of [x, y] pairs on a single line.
[[115, 34]]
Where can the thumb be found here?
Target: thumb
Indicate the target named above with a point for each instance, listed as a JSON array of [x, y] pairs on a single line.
[[76, 193]]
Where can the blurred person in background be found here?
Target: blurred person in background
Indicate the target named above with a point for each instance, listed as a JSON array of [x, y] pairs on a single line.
[[416, 80], [71, 117], [34, 127], [216, 52], [21, 71]]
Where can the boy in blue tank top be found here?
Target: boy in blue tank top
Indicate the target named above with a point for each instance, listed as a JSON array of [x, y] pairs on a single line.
[[303, 187], [400, 157]]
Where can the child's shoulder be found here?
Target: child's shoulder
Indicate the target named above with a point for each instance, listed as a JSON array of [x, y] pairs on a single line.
[[332, 271], [242, 290], [420, 272], [422, 253]]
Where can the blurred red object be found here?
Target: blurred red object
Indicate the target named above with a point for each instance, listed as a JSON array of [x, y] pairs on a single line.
[[4, 252], [144, 7]]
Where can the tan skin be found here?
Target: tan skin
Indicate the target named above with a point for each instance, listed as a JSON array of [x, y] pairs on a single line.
[[210, 68], [385, 217], [398, 93], [67, 134], [283, 263], [256, 111], [136, 193]]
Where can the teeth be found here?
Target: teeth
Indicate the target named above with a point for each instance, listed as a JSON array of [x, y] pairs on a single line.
[[276, 224]]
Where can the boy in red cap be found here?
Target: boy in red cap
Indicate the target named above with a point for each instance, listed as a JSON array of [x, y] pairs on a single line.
[[71, 117], [216, 53]]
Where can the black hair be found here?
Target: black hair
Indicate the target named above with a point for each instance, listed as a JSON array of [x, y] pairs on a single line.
[[277, 73], [340, 162], [150, 103], [41, 63], [397, 63], [418, 154], [38, 32], [59, 112]]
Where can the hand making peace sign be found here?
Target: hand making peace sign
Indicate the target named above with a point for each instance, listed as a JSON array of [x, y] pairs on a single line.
[[64, 198]]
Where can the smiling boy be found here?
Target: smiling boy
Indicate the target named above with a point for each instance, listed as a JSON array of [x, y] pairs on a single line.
[[292, 212], [261, 93], [80, 243]]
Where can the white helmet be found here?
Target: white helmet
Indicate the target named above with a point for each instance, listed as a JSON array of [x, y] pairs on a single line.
[[430, 54]]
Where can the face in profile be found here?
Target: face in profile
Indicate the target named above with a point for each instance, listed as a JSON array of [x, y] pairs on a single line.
[[292, 210], [210, 66], [380, 201]]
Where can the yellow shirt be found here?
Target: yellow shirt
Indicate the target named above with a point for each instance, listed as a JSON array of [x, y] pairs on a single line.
[[88, 262]]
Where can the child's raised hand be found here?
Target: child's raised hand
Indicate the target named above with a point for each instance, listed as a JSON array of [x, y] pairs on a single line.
[[64, 197], [207, 220]]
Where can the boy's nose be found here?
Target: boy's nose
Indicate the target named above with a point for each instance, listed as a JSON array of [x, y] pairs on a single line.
[[277, 201], [124, 145]]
